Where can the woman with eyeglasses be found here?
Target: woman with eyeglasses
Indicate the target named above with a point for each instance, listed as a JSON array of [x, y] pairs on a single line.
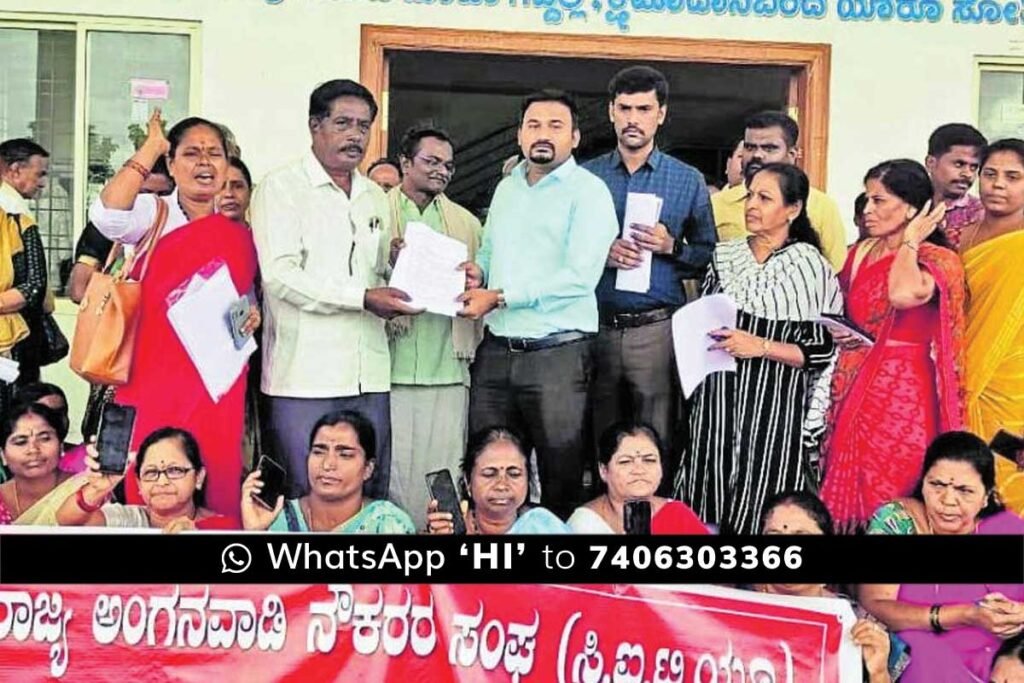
[[171, 479]]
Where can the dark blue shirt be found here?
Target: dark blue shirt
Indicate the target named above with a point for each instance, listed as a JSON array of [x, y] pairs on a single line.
[[686, 212]]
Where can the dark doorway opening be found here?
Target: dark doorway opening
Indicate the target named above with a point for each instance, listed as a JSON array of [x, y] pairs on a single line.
[[475, 97]]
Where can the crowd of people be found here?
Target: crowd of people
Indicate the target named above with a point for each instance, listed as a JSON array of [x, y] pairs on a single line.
[[553, 397]]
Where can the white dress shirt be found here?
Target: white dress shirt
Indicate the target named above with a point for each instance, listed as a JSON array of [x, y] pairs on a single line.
[[129, 226], [319, 251]]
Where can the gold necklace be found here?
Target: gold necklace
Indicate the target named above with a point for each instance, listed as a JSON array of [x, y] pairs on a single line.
[[17, 500]]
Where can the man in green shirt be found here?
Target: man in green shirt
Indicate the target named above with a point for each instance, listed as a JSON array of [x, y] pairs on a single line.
[[430, 353]]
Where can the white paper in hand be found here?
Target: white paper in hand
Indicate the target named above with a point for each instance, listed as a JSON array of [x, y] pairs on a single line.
[[690, 327], [200, 319], [641, 209], [426, 269]]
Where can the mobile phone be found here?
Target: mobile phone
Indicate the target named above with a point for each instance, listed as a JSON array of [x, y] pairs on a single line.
[[442, 489], [274, 479], [237, 315], [637, 517], [117, 422], [1007, 444]]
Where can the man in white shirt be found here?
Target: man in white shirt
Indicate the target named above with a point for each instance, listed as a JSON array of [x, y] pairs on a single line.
[[322, 231], [26, 166]]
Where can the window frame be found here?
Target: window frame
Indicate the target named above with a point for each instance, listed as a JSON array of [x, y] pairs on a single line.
[[82, 25], [991, 63]]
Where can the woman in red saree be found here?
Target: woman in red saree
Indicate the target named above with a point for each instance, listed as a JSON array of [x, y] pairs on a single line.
[[164, 385], [890, 399]]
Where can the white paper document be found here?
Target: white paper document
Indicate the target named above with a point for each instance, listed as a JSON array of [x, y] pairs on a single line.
[[641, 209], [200, 319], [9, 370], [426, 269], [690, 341]]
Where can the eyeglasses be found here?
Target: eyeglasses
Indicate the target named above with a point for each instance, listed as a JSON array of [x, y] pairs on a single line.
[[435, 164], [173, 473]]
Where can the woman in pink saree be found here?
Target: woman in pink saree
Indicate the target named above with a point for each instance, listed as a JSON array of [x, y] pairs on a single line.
[[890, 399]]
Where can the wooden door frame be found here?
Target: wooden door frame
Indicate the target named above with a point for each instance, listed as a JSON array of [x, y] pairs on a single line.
[[812, 60]]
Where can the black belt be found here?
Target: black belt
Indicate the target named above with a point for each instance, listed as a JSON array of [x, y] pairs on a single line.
[[548, 342], [620, 321]]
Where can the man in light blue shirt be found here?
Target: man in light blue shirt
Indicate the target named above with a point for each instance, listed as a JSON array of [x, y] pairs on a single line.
[[548, 232]]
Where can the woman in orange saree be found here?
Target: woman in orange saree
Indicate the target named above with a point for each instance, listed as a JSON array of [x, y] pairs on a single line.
[[890, 399], [994, 363]]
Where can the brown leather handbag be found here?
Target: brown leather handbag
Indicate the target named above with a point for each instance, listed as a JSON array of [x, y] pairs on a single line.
[[104, 341]]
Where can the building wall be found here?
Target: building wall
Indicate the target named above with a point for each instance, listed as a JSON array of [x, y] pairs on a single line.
[[891, 82]]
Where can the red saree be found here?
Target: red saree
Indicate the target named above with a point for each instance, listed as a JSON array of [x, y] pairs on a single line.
[[165, 386], [891, 399]]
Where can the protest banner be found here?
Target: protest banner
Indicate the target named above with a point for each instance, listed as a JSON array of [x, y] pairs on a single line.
[[415, 632]]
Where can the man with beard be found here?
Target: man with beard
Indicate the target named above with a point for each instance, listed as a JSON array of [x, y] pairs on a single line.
[[321, 230], [430, 354], [634, 376], [548, 232], [954, 157], [771, 137]]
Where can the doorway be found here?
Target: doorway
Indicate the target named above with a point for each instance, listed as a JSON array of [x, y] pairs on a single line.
[[470, 84]]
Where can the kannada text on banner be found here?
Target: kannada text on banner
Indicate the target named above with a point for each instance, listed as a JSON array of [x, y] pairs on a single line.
[[438, 633]]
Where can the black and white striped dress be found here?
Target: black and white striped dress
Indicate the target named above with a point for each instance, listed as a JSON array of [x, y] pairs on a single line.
[[746, 427]]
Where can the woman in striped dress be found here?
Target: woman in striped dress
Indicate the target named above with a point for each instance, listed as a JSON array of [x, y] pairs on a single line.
[[747, 436]]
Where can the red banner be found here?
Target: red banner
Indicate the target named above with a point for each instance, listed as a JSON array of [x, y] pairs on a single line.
[[458, 633]]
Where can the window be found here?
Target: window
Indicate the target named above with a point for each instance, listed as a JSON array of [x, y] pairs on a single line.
[[1001, 99], [83, 88]]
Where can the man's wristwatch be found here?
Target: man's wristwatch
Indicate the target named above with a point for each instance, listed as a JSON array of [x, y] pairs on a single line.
[[677, 247], [501, 299]]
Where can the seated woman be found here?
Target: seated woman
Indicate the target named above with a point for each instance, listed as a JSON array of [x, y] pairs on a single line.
[[1008, 664], [30, 438], [495, 484], [171, 480], [798, 513], [952, 628], [629, 463], [341, 460], [52, 396]]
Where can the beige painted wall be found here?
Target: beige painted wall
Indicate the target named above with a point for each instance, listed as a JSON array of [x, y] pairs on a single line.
[[891, 82]]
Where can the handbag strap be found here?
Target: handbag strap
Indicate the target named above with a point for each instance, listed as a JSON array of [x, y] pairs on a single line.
[[145, 245]]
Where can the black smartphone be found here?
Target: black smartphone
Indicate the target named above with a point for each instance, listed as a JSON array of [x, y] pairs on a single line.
[[442, 489], [115, 437], [274, 479], [1006, 444], [637, 517], [237, 315]]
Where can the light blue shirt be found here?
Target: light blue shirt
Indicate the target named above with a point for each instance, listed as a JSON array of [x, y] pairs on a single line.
[[546, 245]]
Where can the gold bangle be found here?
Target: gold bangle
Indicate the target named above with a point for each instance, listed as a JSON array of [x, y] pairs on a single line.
[[913, 247], [766, 345]]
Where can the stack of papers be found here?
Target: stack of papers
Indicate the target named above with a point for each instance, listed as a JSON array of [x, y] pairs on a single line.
[[427, 270], [843, 325], [200, 319], [690, 341], [641, 209]]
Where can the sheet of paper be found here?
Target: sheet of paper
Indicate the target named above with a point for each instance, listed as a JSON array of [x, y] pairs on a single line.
[[200, 319], [837, 324], [9, 370], [690, 327], [426, 269], [641, 209]]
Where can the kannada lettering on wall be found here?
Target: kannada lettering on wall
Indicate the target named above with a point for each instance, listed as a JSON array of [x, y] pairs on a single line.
[[619, 12]]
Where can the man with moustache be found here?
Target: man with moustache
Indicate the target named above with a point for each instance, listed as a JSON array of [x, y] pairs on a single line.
[[430, 353], [634, 373], [321, 230], [547, 236], [771, 137], [953, 161]]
